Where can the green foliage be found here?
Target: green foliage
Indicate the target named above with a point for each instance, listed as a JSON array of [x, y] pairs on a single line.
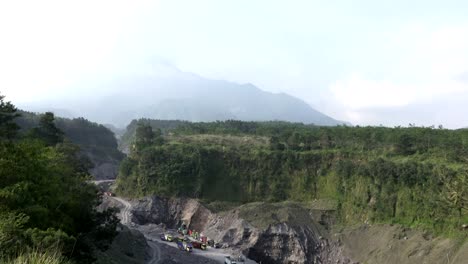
[[8, 127], [455, 192], [145, 136], [93, 139], [37, 257], [415, 176], [11, 237], [45, 200], [163, 125], [47, 131], [49, 240]]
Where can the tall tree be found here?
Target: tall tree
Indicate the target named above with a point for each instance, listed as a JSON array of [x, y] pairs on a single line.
[[8, 113], [45, 201], [144, 137], [47, 130]]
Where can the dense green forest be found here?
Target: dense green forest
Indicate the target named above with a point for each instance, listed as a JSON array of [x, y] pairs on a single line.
[[92, 138], [416, 176], [47, 207], [164, 125]]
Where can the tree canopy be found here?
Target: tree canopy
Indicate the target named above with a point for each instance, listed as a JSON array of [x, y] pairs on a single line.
[[8, 127], [415, 176], [45, 199]]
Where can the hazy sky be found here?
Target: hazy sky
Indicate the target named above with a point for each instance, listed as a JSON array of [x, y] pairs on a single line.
[[366, 62]]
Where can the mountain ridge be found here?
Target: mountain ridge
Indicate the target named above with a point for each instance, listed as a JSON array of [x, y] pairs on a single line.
[[173, 94]]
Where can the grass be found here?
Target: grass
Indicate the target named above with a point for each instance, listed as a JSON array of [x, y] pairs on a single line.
[[322, 204], [222, 140], [36, 257]]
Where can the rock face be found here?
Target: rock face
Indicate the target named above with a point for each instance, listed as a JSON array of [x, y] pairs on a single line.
[[278, 243], [291, 234], [284, 244], [104, 166], [105, 171]]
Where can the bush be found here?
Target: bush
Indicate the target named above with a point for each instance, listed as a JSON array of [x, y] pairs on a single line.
[[37, 257]]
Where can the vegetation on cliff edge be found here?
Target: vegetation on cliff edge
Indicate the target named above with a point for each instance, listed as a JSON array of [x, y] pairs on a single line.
[[416, 176]]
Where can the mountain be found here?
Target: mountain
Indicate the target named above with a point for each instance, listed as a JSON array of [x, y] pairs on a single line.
[[164, 92]]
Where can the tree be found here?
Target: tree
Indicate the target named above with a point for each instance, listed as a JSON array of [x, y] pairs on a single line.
[[45, 201], [405, 145], [8, 113], [47, 131], [144, 137], [158, 137], [275, 143]]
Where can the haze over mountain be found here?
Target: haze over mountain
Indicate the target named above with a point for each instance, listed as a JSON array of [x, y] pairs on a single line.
[[365, 62], [164, 92]]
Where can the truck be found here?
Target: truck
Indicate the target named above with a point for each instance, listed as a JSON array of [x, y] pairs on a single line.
[[167, 237], [199, 245], [185, 246]]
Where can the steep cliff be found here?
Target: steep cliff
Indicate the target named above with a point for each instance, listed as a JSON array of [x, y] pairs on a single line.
[[266, 233], [299, 233]]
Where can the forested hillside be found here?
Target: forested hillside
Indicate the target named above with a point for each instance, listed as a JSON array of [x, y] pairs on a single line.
[[415, 176], [97, 143], [47, 207]]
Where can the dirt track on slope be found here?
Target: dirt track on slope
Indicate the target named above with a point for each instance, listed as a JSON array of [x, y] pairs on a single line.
[[165, 252]]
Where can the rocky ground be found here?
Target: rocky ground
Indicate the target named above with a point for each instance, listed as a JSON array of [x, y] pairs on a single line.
[[282, 233], [297, 233], [140, 243], [266, 233], [104, 166], [130, 246], [395, 244]]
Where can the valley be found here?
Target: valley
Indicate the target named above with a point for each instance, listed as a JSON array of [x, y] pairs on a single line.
[[307, 236], [233, 132], [292, 193], [273, 192]]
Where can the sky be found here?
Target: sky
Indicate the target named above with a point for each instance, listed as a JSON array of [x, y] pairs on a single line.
[[363, 61]]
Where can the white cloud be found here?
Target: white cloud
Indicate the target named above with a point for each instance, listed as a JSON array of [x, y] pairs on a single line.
[[440, 52], [427, 67], [356, 92], [46, 45]]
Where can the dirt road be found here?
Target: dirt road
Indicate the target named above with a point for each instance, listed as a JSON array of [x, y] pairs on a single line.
[[125, 218], [156, 253], [125, 213], [152, 233], [165, 252]]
